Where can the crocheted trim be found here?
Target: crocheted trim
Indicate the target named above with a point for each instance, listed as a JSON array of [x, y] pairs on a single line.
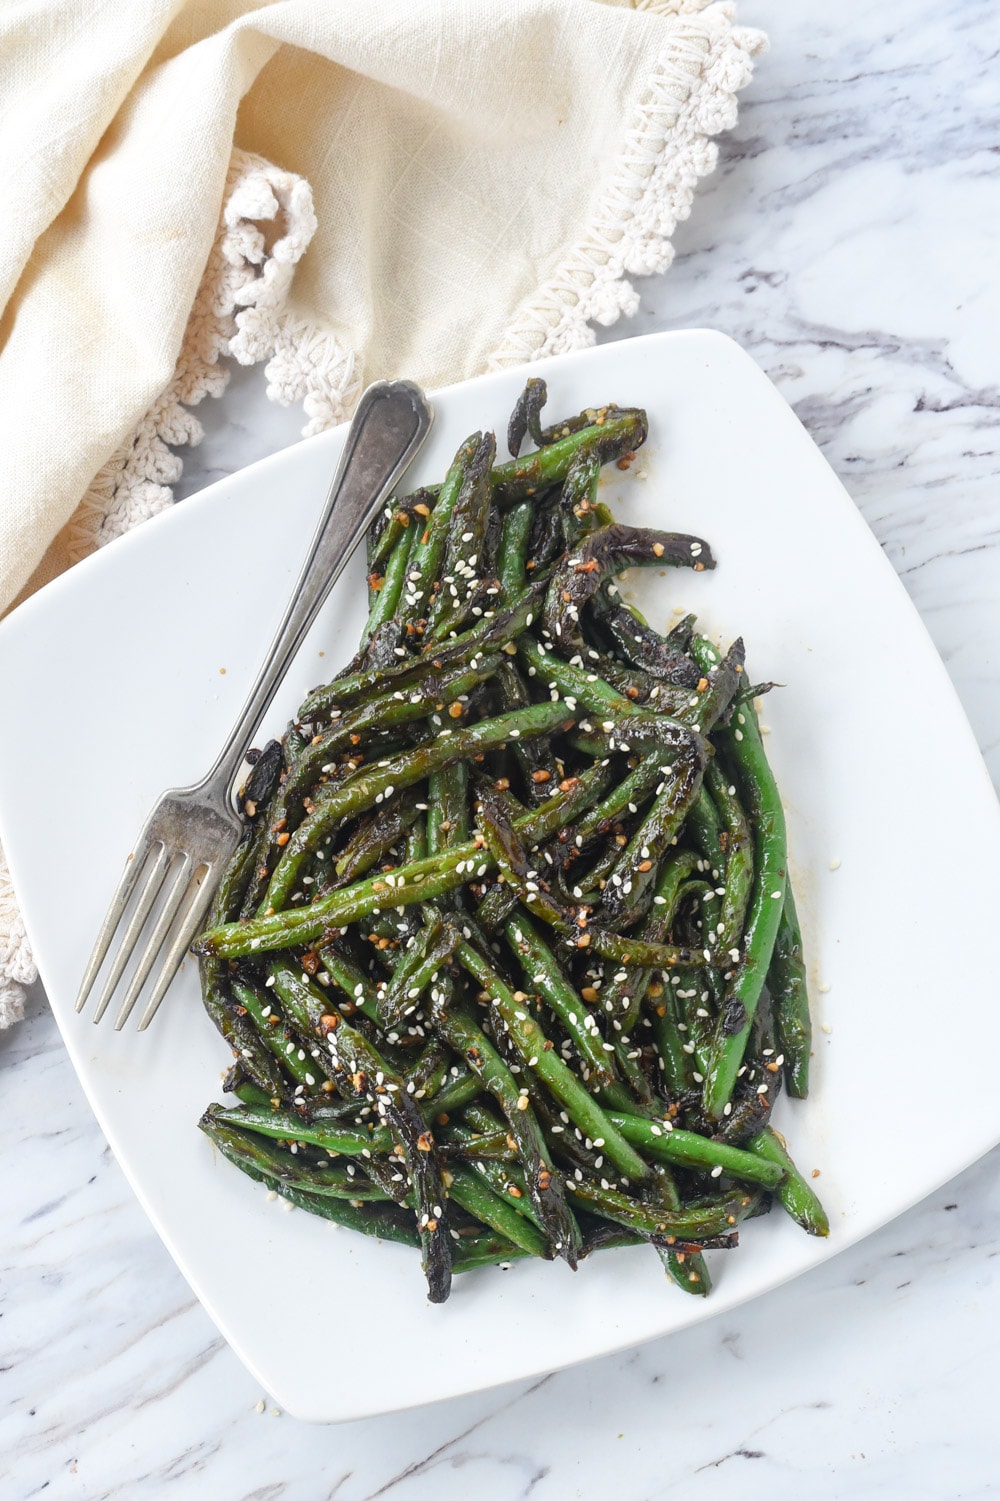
[[690, 98], [236, 312], [315, 367], [17, 968]]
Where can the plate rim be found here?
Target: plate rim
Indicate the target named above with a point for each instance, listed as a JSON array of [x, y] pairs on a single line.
[[42, 600]]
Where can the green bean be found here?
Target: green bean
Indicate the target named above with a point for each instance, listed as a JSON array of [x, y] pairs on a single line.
[[456, 1092], [281, 1167], [448, 808], [375, 835], [704, 828], [626, 797], [511, 858], [707, 705], [687, 1149], [507, 1180], [477, 1198], [636, 868], [619, 434], [629, 950], [285, 1125], [596, 558], [286, 1050], [447, 686], [469, 1145], [640, 646], [383, 1220], [739, 858], [793, 1193], [622, 995], [497, 628], [786, 980], [763, 802], [543, 974], [514, 550], [428, 549], [468, 1040], [674, 1060], [484, 1249], [463, 545], [693, 1222], [685, 1267], [385, 604], [526, 416], [530, 1042], [416, 971]]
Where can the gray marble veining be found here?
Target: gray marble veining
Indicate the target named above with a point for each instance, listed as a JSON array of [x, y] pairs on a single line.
[[849, 241]]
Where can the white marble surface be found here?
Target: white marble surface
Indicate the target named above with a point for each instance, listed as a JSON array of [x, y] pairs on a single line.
[[850, 241]]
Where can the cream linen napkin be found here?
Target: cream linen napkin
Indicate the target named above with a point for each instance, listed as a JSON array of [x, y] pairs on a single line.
[[473, 182]]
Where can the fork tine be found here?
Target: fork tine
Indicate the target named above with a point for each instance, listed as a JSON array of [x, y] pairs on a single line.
[[120, 900], [159, 933], [137, 921], [179, 947]]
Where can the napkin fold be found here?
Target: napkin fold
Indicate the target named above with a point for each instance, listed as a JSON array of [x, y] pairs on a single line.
[[345, 193]]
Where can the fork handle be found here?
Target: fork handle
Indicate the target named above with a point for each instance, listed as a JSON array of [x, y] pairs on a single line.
[[390, 424]]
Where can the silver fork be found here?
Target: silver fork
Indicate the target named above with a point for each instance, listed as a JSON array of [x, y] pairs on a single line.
[[193, 832]]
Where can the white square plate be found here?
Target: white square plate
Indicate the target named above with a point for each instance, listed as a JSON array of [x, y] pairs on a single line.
[[122, 678]]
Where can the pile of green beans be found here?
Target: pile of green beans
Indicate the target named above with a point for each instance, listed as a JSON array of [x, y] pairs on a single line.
[[508, 958]]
